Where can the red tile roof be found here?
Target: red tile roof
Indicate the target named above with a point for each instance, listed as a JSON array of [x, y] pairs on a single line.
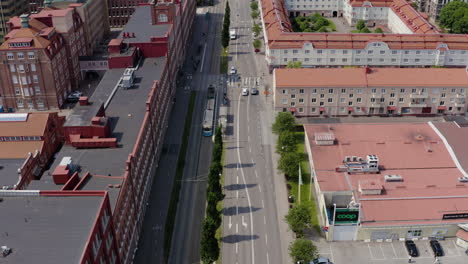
[[280, 35], [462, 234], [371, 77]]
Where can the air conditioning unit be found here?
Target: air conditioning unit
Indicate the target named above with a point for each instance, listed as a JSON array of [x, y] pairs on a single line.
[[463, 179], [393, 178]]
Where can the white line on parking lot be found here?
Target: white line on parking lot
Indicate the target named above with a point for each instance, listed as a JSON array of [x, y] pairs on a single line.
[[394, 251], [331, 253], [256, 175], [456, 249]]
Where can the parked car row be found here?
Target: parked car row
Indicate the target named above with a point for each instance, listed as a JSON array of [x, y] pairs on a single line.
[[414, 252]]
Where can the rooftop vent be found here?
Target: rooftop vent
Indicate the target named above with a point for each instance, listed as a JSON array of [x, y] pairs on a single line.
[[5, 251], [324, 139], [393, 178], [463, 179]]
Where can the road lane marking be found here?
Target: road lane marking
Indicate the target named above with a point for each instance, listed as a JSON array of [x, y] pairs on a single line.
[[252, 160], [244, 224], [264, 220], [266, 239], [268, 258], [250, 150], [248, 138], [263, 204], [237, 210], [260, 188], [230, 224], [237, 194], [243, 178], [237, 177], [203, 58], [370, 251], [331, 253], [256, 175]]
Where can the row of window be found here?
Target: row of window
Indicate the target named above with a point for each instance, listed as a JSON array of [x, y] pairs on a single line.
[[382, 60], [20, 55], [361, 52], [382, 91], [22, 67], [375, 100], [20, 138], [25, 80], [30, 103], [404, 110]]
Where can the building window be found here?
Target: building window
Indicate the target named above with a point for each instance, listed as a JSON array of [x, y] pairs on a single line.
[[33, 67], [384, 91], [10, 56], [31, 55], [394, 52], [319, 51], [322, 95], [40, 103], [12, 68], [401, 99], [19, 103], [301, 91], [21, 68], [350, 103], [20, 55], [443, 95], [14, 78], [414, 233], [162, 18], [402, 90], [17, 91], [314, 91], [372, 100], [374, 91], [301, 100], [307, 51], [35, 79], [321, 103], [382, 100], [285, 101], [392, 95], [330, 91], [301, 110], [370, 51], [343, 90], [332, 59], [293, 103], [359, 91], [295, 51], [351, 95], [330, 100], [359, 100], [293, 96], [313, 109], [382, 52], [314, 100], [454, 91], [285, 91], [391, 103], [23, 80], [369, 59]]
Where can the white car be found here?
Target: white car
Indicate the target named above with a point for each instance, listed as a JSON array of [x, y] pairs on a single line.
[[245, 91], [321, 260], [233, 70], [74, 96]]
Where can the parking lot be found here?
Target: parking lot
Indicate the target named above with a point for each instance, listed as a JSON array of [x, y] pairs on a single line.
[[389, 252]]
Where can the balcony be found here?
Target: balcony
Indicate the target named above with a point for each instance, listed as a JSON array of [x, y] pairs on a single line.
[[418, 96], [460, 96], [460, 104], [376, 96], [375, 105]]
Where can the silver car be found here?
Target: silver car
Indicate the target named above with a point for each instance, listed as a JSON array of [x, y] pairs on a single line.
[[254, 91], [245, 91]]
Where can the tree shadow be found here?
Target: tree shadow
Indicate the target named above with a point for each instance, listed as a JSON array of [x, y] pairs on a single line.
[[242, 165], [230, 211], [231, 239], [234, 187]]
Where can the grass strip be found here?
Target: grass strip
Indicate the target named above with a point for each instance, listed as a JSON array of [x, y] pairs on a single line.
[[223, 66], [219, 231], [172, 211], [306, 196]]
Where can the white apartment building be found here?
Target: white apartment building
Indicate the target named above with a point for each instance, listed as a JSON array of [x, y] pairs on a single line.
[[370, 91], [417, 44]]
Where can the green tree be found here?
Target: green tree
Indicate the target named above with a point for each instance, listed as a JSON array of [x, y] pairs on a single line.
[[298, 218], [209, 248], [378, 30], [257, 44], [289, 164], [451, 13], [461, 24], [284, 122], [360, 24], [254, 5], [365, 30], [256, 28], [254, 14], [303, 250], [294, 65], [415, 5], [320, 23], [287, 142]]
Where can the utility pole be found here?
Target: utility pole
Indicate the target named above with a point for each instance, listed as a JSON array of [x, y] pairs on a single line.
[[299, 187]]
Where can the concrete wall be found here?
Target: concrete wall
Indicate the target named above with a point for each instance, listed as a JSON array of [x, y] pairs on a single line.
[[396, 25], [450, 230]]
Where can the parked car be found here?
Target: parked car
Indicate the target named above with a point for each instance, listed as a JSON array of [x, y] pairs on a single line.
[[233, 70], [245, 91], [411, 248], [257, 50], [74, 96], [253, 91], [436, 248], [321, 260]]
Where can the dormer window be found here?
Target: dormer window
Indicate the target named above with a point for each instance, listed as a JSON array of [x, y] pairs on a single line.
[[162, 18]]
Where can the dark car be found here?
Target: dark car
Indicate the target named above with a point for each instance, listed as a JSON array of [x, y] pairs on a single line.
[[437, 248], [411, 247]]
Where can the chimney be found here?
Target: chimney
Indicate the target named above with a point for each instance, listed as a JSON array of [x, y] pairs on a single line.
[[24, 20]]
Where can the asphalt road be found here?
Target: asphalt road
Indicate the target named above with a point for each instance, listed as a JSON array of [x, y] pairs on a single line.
[[253, 226]]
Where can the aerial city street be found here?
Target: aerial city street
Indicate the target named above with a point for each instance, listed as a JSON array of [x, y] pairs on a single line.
[[234, 131]]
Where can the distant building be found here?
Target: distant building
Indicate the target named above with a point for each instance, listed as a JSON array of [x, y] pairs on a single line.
[[433, 7], [120, 11], [370, 91], [417, 192], [9, 9], [27, 144]]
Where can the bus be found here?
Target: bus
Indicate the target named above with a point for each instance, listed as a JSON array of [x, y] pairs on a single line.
[[209, 116]]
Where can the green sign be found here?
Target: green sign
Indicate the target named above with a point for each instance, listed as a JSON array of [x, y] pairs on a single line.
[[346, 215]]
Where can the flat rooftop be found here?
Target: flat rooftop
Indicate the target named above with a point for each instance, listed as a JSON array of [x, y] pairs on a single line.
[[413, 151], [126, 112], [33, 225], [140, 24], [9, 171], [457, 138], [110, 184]]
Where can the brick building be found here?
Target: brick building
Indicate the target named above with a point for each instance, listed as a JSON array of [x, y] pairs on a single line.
[[9, 9], [27, 144], [115, 136], [371, 91], [58, 227], [120, 11]]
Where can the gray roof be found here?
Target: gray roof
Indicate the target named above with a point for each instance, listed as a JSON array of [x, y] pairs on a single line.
[[98, 183], [126, 112], [9, 171], [140, 23], [44, 229]]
